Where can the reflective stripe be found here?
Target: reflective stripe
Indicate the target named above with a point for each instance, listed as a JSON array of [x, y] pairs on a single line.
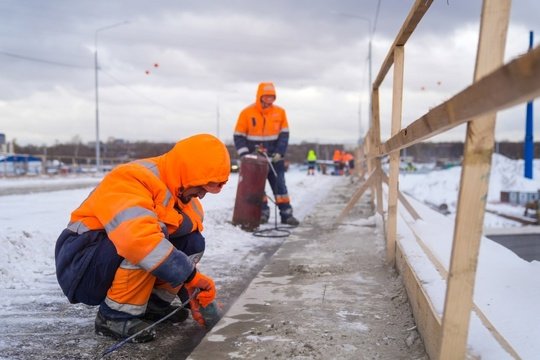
[[198, 210], [154, 169], [126, 308], [164, 294], [149, 165], [243, 150], [238, 133], [164, 229], [128, 214], [125, 264], [196, 257], [282, 199], [262, 138], [78, 227], [157, 255], [168, 197]]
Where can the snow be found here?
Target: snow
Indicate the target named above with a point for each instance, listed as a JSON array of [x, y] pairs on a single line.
[[506, 291]]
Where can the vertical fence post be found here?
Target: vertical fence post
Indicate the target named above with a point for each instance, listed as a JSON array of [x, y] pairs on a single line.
[[376, 144], [473, 190], [397, 100]]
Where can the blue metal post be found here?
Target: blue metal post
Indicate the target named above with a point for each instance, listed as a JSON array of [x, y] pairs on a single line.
[[529, 142]]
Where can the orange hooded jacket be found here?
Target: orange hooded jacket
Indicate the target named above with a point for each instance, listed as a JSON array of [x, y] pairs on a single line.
[[338, 156], [135, 204], [257, 126]]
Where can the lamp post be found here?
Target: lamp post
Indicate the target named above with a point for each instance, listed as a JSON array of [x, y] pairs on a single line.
[[96, 68]]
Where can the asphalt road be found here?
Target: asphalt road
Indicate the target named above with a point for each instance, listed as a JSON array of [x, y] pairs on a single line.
[[526, 246]]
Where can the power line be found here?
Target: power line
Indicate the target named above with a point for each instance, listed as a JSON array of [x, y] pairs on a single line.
[[43, 61], [60, 64]]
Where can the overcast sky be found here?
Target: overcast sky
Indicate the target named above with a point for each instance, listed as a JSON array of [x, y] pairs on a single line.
[[211, 55]]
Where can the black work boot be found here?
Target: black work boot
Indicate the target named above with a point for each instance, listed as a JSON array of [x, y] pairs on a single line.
[[121, 329], [290, 220]]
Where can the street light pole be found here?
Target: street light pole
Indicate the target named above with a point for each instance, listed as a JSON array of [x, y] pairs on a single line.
[[96, 76]]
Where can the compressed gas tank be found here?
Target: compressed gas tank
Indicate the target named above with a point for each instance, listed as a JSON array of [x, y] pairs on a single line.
[[250, 191]]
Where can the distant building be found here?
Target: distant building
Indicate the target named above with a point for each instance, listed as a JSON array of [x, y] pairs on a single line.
[[2, 143], [13, 165], [516, 197]]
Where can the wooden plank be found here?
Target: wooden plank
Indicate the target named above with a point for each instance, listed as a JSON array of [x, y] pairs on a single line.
[[406, 204], [397, 104], [376, 141], [356, 196], [427, 320], [473, 191], [509, 85], [419, 8]]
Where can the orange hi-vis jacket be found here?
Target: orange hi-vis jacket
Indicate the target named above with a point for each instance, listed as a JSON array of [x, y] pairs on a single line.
[[262, 127], [338, 156], [347, 157], [137, 204]]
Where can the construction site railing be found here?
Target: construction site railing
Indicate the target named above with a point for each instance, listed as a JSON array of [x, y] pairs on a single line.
[[496, 87]]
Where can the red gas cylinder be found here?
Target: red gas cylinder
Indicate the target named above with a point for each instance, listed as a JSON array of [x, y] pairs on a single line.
[[250, 192]]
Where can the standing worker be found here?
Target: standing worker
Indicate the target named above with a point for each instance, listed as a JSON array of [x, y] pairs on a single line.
[[131, 247], [263, 127], [337, 158], [312, 160]]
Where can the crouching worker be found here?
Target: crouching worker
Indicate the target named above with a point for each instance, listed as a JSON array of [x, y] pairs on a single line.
[[132, 246]]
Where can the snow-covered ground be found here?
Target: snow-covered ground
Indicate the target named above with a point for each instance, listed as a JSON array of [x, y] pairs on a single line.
[[30, 223], [507, 286], [441, 187]]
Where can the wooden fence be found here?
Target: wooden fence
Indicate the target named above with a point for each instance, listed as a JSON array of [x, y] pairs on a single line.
[[496, 86]]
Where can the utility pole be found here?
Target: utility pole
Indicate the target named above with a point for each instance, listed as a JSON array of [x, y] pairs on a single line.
[[96, 76], [529, 141]]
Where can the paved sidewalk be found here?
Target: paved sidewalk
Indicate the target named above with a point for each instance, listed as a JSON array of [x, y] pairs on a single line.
[[325, 294]]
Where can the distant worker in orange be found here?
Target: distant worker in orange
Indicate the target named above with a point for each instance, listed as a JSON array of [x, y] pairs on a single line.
[[348, 162], [131, 247], [263, 127], [337, 158]]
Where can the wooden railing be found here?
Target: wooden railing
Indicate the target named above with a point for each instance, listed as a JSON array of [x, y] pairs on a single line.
[[495, 87]]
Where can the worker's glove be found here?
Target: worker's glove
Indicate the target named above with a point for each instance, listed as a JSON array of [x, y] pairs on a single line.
[[196, 312], [276, 157], [260, 149], [206, 285], [207, 316]]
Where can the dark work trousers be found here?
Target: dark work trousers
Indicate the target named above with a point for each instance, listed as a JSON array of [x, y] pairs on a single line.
[[279, 189]]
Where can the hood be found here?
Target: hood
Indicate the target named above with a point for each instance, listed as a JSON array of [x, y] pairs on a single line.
[[195, 161], [265, 88]]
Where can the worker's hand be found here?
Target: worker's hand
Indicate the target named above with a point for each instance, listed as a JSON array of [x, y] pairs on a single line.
[[196, 312], [276, 157], [260, 149], [206, 285]]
